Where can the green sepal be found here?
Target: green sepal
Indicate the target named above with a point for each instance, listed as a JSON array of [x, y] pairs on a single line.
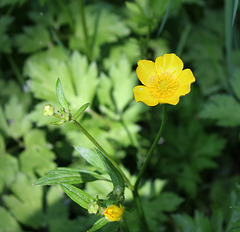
[[68, 176], [57, 123], [81, 110], [98, 224], [115, 175], [77, 195], [60, 95]]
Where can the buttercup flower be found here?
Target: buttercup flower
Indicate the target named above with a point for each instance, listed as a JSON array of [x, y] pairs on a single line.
[[114, 213], [163, 81]]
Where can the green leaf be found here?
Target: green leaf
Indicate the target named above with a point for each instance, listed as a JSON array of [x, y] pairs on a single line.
[[37, 157], [224, 109], [100, 19], [8, 222], [24, 200], [187, 224], [60, 95], [77, 195], [8, 170], [90, 156], [78, 78], [115, 175], [98, 224], [81, 111], [68, 176], [14, 117], [33, 39]]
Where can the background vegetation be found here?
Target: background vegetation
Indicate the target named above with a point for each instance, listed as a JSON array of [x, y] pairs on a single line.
[[192, 182]]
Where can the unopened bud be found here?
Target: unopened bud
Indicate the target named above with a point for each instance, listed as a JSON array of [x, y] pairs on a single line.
[[48, 110], [93, 207]]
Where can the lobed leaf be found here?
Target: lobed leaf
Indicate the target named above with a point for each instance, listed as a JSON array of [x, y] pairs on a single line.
[[224, 109]]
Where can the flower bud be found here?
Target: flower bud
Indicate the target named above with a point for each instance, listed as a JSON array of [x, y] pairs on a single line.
[[114, 213], [93, 207], [48, 110]]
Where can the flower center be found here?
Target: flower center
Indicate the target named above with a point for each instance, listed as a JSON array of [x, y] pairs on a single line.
[[163, 86]]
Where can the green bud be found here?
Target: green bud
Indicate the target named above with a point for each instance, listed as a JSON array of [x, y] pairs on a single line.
[[48, 110], [118, 190], [93, 207]]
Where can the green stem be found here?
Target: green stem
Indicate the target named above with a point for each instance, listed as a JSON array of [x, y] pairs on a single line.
[[85, 32], [140, 211], [150, 152], [98, 146]]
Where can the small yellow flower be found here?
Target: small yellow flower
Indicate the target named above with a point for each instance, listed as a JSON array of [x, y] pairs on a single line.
[[163, 81], [114, 213]]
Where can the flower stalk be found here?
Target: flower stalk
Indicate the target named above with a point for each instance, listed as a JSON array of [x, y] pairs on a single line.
[[150, 152]]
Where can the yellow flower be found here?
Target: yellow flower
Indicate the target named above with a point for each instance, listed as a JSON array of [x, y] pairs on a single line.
[[114, 213], [163, 81]]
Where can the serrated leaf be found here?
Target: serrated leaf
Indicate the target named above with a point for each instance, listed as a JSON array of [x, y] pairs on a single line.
[[224, 109], [33, 39], [81, 111], [60, 95], [115, 175], [8, 170], [99, 20], [78, 78], [8, 222], [37, 156], [24, 200], [77, 195], [98, 224], [68, 176], [90, 156], [17, 123]]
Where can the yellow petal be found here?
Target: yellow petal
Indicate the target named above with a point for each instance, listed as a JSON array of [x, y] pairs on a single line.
[[142, 93], [186, 77], [171, 100], [146, 71], [169, 63]]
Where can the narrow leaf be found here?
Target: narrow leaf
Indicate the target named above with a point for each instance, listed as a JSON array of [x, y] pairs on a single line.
[[99, 224], [115, 175], [60, 95], [90, 156], [235, 10], [68, 176], [77, 195], [81, 111]]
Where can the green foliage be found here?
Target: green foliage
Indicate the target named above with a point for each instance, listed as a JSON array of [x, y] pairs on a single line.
[[192, 181], [115, 175], [98, 224], [8, 222], [77, 195], [67, 176]]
